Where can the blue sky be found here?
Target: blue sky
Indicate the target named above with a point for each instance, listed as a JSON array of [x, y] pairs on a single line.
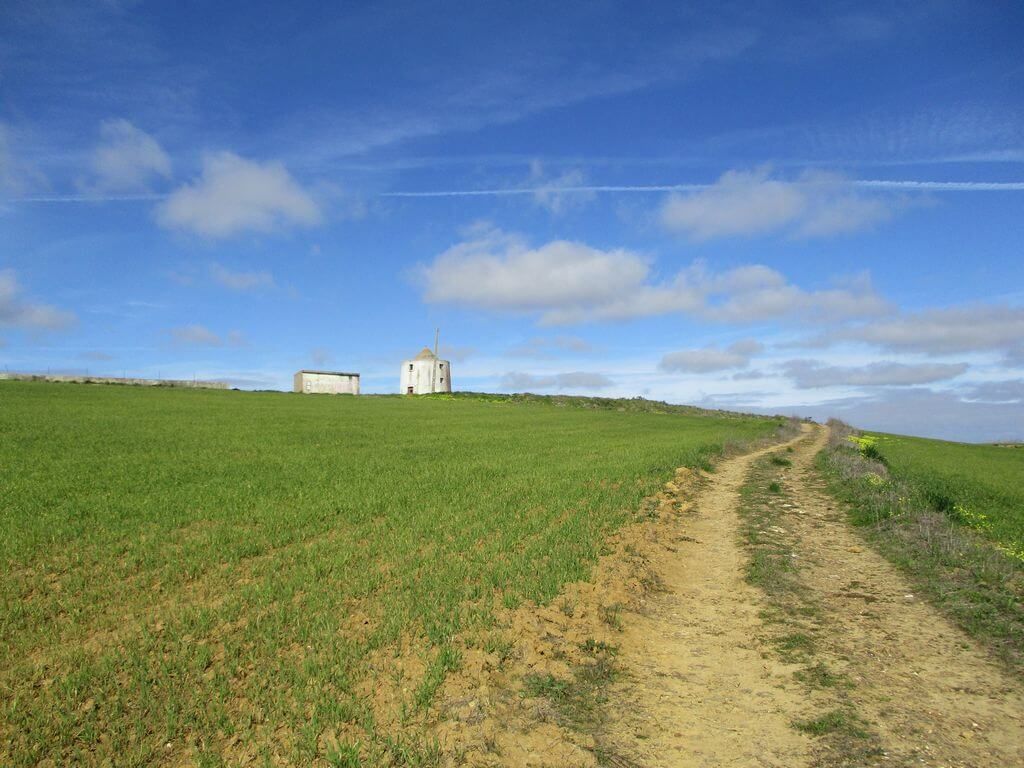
[[794, 207]]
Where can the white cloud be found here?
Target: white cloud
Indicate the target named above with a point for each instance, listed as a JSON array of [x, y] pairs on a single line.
[[499, 271], [747, 203], [945, 331], [707, 359], [201, 336], [560, 193], [1007, 391], [235, 195], [571, 282], [541, 347], [756, 292], [17, 311], [127, 158], [241, 281], [522, 382], [17, 177], [810, 374]]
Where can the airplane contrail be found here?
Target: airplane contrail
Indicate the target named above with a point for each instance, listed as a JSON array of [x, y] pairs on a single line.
[[890, 184], [943, 186], [922, 186], [87, 198]]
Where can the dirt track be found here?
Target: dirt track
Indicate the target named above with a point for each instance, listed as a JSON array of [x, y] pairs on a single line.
[[704, 688]]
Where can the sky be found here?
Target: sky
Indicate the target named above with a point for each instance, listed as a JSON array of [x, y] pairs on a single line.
[[812, 208]]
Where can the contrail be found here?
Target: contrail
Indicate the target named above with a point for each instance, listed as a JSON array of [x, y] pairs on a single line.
[[87, 198], [921, 186], [907, 185], [560, 190], [944, 186]]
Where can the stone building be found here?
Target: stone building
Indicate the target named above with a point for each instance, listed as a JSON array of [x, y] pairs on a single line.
[[326, 383], [426, 373]]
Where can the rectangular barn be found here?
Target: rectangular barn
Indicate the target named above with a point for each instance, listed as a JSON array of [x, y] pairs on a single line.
[[326, 383]]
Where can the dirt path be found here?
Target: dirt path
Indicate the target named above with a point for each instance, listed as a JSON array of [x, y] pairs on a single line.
[[703, 688], [934, 697], [698, 690]]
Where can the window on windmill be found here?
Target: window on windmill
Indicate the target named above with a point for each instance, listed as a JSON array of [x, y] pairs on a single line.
[[410, 366]]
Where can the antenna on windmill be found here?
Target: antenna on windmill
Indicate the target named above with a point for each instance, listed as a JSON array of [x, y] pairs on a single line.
[[437, 334]]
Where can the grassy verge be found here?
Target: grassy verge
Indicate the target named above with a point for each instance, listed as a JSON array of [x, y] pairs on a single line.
[[211, 577], [794, 618], [922, 508]]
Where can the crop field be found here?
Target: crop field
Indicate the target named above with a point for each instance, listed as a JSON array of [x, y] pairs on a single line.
[[207, 577], [981, 486]]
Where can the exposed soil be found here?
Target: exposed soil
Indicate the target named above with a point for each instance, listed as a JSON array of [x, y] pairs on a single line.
[[700, 691], [933, 695], [700, 684]]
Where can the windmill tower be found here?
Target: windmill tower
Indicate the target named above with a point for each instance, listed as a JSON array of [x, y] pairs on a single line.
[[426, 373]]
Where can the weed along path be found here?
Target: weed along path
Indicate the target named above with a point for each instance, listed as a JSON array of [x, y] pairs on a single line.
[[780, 639]]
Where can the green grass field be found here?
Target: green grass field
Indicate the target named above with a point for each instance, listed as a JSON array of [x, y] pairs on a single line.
[[981, 486], [203, 576]]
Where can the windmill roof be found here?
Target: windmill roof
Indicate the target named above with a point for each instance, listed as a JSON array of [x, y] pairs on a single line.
[[426, 354]]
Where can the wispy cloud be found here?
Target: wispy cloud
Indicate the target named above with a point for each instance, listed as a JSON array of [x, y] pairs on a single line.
[[943, 331], [708, 359], [127, 159], [19, 311], [18, 178], [1006, 391], [576, 380], [200, 336], [558, 193], [810, 374], [746, 203], [543, 347], [241, 281]]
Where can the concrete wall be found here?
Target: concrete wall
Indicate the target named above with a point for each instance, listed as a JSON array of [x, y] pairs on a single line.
[[188, 383], [324, 383], [422, 377]]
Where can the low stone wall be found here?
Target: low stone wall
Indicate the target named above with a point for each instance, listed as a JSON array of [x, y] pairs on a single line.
[[131, 382]]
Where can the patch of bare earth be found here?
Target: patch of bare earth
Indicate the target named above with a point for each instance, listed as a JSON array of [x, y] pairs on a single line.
[[666, 657], [651, 660], [699, 690], [537, 697]]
